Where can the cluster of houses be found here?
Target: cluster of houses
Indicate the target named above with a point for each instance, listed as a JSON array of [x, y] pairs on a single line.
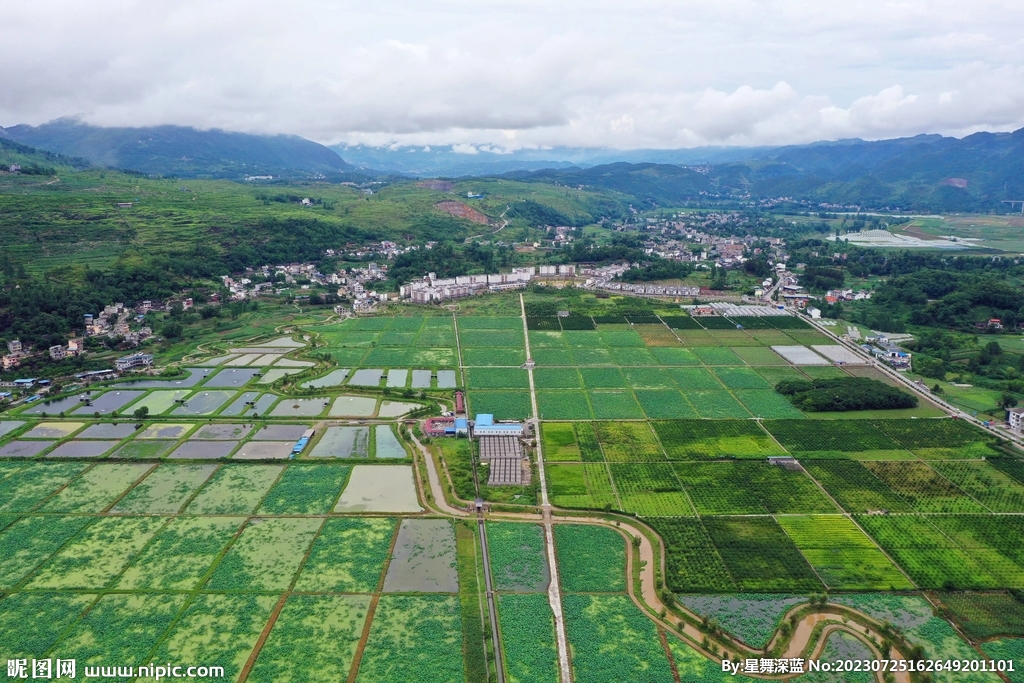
[[115, 321], [835, 295], [432, 288], [884, 350]]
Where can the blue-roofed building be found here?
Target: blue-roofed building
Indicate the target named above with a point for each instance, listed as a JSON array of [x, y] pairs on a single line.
[[485, 426], [461, 426]]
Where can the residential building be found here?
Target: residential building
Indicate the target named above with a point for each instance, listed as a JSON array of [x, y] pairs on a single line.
[[134, 361], [14, 346], [1015, 417], [10, 362], [58, 352]]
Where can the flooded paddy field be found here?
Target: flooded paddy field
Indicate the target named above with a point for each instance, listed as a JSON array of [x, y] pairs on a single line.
[[159, 402], [353, 406], [274, 374], [222, 432], [332, 379], [264, 450], [165, 431], [9, 426], [106, 430], [231, 378], [424, 559], [396, 408], [195, 376], [203, 403], [300, 407], [24, 449], [59, 405], [387, 444], [82, 449], [343, 442], [379, 488], [52, 430], [203, 450], [109, 402], [143, 449], [367, 377], [238, 406], [280, 432]]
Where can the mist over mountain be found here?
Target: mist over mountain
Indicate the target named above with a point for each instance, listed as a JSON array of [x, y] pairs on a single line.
[[181, 151]]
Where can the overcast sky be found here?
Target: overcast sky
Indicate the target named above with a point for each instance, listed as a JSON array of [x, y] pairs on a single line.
[[520, 73]]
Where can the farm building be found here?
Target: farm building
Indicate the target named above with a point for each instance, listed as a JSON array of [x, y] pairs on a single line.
[[484, 425]]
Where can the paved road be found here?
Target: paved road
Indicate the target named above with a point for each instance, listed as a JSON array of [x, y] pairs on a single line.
[[554, 588]]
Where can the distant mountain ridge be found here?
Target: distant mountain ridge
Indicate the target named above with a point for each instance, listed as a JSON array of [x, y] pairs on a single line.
[[922, 173], [181, 151]]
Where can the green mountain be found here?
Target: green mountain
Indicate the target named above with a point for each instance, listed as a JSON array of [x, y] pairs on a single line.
[[923, 173], [180, 151]]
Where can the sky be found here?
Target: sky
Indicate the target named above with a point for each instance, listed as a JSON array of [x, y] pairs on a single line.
[[497, 75]]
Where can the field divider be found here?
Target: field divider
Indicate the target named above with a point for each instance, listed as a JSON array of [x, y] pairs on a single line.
[[243, 675], [371, 610], [261, 641]]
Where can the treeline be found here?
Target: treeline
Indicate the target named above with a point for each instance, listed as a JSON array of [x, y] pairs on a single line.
[[840, 395], [447, 261], [661, 269]]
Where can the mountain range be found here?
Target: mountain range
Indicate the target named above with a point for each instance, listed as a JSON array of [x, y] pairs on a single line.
[[180, 151], [921, 173]]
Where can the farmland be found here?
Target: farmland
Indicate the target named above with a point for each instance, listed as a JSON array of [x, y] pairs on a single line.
[[208, 529]]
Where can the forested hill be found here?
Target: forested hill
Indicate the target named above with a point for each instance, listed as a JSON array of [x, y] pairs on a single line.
[[179, 151], [923, 173], [657, 184]]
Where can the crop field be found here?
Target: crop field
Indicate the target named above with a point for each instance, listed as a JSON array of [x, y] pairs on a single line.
[[348, 556], [705, 439], [179, 555], [719, 488], [559, 441], [986, 615], [952, 552], [165, 490], [842, 555], [563, 405], [517, 557], [414, 638], [504, 405], [841, 435], [591, 559], [759, 556], [306, 490], [528, 638], [612, 640], [337, 621], [628, 442], [580, 486], [923, 488], [854, 486]]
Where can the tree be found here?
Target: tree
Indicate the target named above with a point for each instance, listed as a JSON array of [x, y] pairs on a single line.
[[141, 413], [1007, 401], [173, 330]]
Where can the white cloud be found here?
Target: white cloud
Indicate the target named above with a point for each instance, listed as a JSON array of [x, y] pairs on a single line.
[[500, 75]]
